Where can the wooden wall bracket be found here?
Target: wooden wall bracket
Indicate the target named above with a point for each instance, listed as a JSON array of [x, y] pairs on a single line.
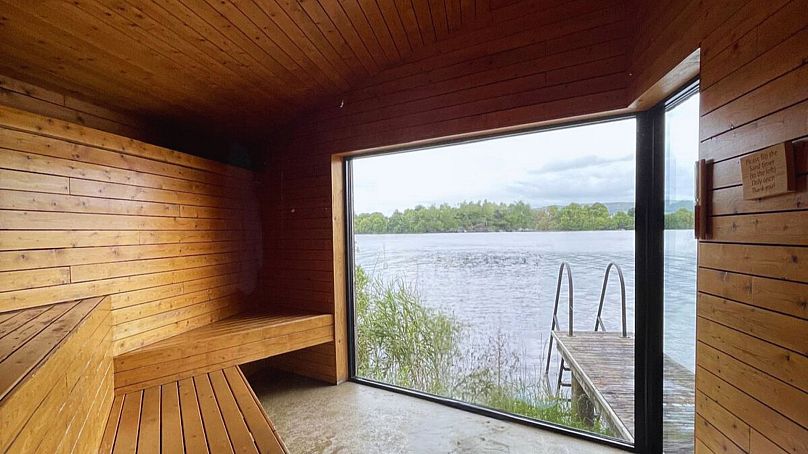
[[704, 183]]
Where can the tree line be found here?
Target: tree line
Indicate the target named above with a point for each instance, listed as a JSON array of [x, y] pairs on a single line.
[[486, 216]]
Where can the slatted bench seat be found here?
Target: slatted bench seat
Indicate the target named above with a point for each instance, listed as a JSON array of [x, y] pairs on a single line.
[[214, 412], [239, 339], [55, 376]]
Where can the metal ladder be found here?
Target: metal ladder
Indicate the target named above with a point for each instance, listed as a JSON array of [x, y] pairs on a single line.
[[598, 320]]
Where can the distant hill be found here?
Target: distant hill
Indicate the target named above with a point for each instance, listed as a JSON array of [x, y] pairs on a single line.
[[670, 206]]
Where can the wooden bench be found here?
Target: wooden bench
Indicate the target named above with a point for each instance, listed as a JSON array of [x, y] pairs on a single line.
[[58, 379], [55, 376], [214, 412], [239, 339]]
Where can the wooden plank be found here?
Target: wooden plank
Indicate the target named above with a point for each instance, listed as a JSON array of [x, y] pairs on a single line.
[[732, 427], [47, 295], [23, 333], [35, 153], [771, 228], [215, 430], [33, 220], [59, 238], [205, 362], [129, 192], [26, 358], [140, 311], [171, 433], [81, 273], [25, 181], [772, 294], [781, 126], [771, 326], [227, 333], [789, 401], [18, 280], [111, 429], [126, 344], [778, 428], [46, 258], [193, 429], [24, 121], [128, 427], [730, 200], [50, 375], [775, 361], [714, 439], [762, 445], [237, 428], [254, 415], [766, 261], [134, 327], [755, 104], [775, 62], [149, 437], [32, 201]]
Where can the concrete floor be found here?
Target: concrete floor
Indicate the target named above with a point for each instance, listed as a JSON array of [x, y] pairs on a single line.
[[352, 418]]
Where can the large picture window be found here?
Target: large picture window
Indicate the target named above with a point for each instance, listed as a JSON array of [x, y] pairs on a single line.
[[545, 277], [457, 252]]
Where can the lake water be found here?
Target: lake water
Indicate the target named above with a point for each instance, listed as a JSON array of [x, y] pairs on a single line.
[[506, 282]]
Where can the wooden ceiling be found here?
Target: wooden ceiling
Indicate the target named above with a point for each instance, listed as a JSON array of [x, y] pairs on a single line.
[[237, 65]]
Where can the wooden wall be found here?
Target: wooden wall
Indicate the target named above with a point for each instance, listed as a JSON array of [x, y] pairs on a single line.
[[539, 61], [752, 391], [35, 99], [752, 274], [63, 404], [171, 237]]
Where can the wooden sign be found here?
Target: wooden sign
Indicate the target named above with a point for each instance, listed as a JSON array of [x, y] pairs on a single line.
[[768, 172]]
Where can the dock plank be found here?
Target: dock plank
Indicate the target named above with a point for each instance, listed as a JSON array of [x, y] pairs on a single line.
[[603, 363]]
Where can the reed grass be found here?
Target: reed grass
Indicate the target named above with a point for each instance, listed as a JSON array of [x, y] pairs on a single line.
[[402, 342]]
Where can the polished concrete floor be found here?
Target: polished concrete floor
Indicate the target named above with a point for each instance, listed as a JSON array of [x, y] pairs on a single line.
[[352, 418]]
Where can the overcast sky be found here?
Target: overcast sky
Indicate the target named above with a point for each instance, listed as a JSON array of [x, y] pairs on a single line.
[[585, 164]]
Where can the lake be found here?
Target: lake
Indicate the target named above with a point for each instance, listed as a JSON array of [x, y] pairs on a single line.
[[505, 282]]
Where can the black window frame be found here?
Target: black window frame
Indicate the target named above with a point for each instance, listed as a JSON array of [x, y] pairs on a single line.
[[649, 282]]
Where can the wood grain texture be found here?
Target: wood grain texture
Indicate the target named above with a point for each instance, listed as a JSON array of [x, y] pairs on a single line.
[[87, 213], [239, 339], [211, 412], [56, 369], [203, 64], [536, 61], [752, 274]]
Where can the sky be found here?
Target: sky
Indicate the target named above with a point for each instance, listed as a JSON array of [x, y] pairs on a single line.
[[584, 164]]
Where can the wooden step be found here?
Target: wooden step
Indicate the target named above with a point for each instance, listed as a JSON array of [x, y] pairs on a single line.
[[239, 339], [55, 376], [210, 412]]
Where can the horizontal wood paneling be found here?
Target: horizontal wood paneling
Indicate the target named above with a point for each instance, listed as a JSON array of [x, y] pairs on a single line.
[[60, 402], [232, 341], [549, 61], [87, 213], [752, 278]]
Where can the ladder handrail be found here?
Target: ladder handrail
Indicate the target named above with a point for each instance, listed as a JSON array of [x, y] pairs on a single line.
[[564, 265], [599, 320]]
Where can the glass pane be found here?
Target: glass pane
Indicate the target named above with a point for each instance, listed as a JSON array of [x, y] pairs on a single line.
[[457, 256], [681, 152]]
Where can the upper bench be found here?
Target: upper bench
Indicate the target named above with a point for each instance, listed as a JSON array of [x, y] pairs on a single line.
[[239, 339]]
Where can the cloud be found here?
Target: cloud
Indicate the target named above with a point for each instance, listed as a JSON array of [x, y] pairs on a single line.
[[580, 163], [585, 180]]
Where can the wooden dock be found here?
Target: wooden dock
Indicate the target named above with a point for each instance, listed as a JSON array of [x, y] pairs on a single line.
[[602, 365]]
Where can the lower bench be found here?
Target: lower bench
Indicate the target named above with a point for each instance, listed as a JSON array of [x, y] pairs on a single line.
[[214, 412], [239, 339]]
